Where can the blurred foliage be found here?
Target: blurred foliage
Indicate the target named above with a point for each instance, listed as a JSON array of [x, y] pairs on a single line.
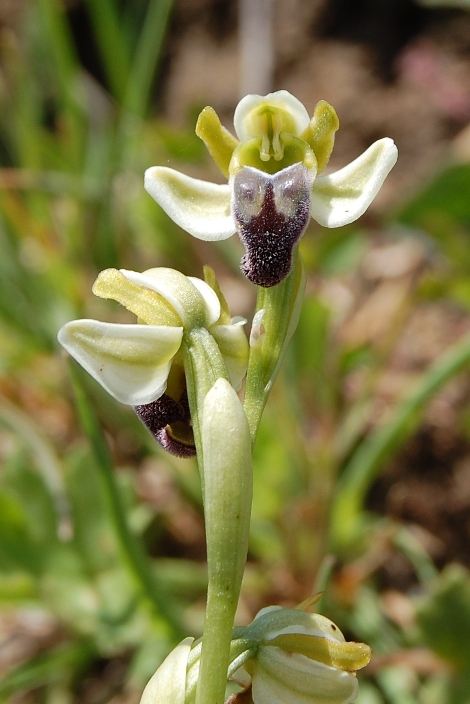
[[114, 558]]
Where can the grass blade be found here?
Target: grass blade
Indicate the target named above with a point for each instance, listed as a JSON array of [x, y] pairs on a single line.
[[370, 456]]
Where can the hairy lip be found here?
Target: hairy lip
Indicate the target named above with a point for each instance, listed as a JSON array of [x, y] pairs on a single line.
[[271, 214]]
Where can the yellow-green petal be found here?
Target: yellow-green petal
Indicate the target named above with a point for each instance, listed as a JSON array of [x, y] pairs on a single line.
[[320, 134], [347, 656], [149, 306], [219, 142], [211, 280]]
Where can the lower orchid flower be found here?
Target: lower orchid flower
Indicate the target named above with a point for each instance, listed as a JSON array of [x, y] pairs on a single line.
[[301, 658], [274, 184], [142, 364], [288, 656]]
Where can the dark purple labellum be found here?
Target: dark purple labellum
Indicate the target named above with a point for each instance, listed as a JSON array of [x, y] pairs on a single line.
[[169, 421], [271, 214]]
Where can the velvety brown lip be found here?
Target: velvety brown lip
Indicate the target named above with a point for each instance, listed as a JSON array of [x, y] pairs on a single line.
[[169, 421], [270, 235]]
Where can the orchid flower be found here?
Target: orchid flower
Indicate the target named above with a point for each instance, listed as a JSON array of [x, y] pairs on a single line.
[[274, 186], [301, 658], [142, 364]]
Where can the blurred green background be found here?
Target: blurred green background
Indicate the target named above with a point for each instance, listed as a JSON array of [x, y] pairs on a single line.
[[362, 466]]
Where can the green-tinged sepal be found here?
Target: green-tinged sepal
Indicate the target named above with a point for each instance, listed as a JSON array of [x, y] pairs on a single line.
[[149, 306], [199, 207], [161, 296], [131, 362], [345, 656]]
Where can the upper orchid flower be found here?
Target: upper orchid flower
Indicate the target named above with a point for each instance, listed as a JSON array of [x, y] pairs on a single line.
[[274, 187], [142, 365]]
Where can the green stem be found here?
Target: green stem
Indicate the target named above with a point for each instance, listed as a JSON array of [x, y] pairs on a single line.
[[223, 446], [281, 305], [130, 547], [241, 650]]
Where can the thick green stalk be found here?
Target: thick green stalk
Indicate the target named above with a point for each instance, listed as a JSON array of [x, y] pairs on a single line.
[[272, 331], [223, 446], [228, 492]]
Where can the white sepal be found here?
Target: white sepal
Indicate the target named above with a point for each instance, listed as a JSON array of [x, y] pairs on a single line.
[[131, 362], [210, 298], [168, 684], [281, 677], [199, 207], [343, 196]]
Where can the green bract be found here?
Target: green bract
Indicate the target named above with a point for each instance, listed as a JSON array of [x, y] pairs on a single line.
[[274, 184]]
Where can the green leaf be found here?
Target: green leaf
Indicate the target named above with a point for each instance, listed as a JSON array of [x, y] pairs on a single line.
[[448, 193], [93, 534], [18, 551], [28, 487], [444, 616]]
